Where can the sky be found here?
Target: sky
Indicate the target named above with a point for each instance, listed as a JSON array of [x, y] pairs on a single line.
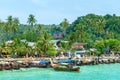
[[54, 11]]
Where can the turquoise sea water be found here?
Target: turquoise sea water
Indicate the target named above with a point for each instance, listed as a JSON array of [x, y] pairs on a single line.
[[97, 72]]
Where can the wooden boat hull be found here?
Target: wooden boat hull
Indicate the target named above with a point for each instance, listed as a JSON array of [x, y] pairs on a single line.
[[67, 69], [1, 69]]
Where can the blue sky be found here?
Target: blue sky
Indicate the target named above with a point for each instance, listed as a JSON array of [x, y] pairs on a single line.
[[54, 11]]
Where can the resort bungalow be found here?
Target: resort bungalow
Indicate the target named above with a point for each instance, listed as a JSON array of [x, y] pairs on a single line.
[[80, 54], [79, 45], [80, 49], [58, 35]]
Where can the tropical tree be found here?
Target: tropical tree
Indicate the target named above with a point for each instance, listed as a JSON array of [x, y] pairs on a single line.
[[6, 48], [65, 45], [51, 51], [100, 26], [39, 48], [15, 25], [8, 25], [31, 20], [43, 44], [1, 24], [64, 24], [7, 29], [20, 48], [46, 38], [80, 32], [39, 28], [113, 44], [30, 35], [100, 45], [10, 20], [72, 37]]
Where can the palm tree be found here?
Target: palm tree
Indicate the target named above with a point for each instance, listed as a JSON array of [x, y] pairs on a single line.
[[8, 25], [38, 47], [1, 24], [5, 48], [43, 43], [31, 20], [39, 28], [72, 37], [15, 25], [7, 28], [64, 24], [10, 20], [80, 32], [99, 25], [46, 38]]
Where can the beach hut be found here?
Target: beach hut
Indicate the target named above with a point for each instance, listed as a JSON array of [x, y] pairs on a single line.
[[80, 54], [79, 45]]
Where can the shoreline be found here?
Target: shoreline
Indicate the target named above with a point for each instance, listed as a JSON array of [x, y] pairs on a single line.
[[17, 63]]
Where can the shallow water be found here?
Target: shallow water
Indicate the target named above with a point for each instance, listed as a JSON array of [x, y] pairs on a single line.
[[96, 72]]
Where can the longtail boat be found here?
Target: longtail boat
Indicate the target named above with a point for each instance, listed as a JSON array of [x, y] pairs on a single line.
[[64, 68]]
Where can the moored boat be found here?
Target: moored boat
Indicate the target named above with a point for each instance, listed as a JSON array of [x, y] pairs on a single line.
[[1, 69], [64, 68]]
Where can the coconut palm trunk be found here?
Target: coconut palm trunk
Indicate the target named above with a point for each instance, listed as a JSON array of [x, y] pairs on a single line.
[[31, 21]]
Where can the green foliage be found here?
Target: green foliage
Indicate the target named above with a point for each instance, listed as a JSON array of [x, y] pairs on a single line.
[[113, 44], [81, 34], [100, 45], [51, 51], [65, 46], [43, 43], [95, 27], [30, 35], [31, 20], [95, 30], [64, 24], [15, 24]]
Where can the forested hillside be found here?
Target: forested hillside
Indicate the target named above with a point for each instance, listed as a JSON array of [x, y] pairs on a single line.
[[97, 31], [86, 28], [94, 27]]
